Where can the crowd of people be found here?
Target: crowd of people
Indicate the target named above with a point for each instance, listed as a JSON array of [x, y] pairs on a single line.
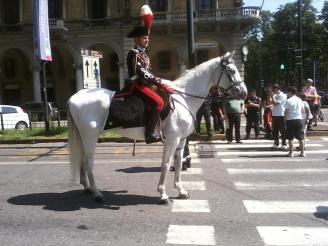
[[286, 116]]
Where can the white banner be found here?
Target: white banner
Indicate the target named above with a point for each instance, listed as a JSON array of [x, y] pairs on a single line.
[[41, 30]]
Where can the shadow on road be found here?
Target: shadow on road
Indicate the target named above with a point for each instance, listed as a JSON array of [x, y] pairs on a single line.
[[140, 170], [75, 200]]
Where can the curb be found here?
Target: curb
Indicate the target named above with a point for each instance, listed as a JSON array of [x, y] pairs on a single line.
[[104, 140]]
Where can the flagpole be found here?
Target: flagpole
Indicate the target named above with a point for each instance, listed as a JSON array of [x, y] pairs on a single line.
[[45, 97]]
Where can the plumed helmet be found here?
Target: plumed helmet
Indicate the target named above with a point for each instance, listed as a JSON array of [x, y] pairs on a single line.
[[146, 16]]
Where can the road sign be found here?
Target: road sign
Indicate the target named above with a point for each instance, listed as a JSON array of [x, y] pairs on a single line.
[[206, 45], [91, 68]]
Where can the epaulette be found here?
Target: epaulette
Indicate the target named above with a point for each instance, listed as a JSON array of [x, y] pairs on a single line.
[[135, 51]]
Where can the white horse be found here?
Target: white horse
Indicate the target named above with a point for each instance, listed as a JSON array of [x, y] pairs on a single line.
[[88, 112]]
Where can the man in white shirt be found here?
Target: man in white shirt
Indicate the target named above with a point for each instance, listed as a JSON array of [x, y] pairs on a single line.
[[294, 126], [278, 100]]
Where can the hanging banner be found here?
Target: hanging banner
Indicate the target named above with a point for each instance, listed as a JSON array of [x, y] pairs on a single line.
[[41, 30]]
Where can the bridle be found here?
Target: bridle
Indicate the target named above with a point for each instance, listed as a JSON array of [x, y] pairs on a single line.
[[233, 84]]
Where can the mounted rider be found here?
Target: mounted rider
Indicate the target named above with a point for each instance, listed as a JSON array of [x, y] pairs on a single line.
[[142, 79]]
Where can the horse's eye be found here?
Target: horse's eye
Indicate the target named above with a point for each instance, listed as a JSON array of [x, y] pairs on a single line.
[[232, 71]]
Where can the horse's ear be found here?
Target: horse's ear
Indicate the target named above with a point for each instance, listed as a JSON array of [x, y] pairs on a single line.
[[226, 55], [232, 53]]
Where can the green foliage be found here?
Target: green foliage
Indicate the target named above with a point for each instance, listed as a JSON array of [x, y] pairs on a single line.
[[273, 41]]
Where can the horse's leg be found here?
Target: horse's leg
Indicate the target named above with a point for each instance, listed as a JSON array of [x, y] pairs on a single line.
[[89, 170], [169, 149], [183, 194], [84, 180]]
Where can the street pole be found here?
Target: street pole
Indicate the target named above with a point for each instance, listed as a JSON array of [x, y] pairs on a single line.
[[45, 97], [314, 68], [300, 44], [191, 38]]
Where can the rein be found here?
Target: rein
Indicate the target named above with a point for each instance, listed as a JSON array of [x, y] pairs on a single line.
[[217, 84]]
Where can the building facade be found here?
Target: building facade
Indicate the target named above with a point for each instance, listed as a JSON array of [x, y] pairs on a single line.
[[103, 25]]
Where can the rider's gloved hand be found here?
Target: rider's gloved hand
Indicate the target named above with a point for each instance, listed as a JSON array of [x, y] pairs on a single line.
[[167, 88]]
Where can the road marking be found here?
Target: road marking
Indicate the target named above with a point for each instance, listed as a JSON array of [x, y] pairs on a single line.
[[276, 235], [266, 160], [266, 153], [278, 186], [194, 185], [242, 146], [193, 206], [236, 171], [272, 207], [193, 170], [190, 234]]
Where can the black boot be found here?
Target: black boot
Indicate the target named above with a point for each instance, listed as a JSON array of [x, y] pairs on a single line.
[[150, 135]]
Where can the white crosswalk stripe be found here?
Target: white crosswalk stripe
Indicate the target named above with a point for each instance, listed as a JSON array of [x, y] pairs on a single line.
[[194, 206], [272, 207], [254, 168], [300, 236], [191, 234]]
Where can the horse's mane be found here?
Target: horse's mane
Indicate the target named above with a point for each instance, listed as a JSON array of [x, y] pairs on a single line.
[[195, 72]]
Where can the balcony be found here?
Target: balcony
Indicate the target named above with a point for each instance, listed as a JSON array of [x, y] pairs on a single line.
[[208, 15], [57, 24]]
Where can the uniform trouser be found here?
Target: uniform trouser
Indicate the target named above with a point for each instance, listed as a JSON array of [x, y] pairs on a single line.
[[234, 121], [279, 126], [253, 120], [207, 116], [150, 95], [217, 121]]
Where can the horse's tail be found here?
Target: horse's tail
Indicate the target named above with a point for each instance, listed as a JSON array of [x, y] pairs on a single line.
[[74, 145]]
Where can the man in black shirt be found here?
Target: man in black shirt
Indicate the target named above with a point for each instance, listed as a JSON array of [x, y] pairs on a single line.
[[252, 104]]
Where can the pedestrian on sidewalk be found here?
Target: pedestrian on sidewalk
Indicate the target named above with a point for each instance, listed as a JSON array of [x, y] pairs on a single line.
[[217, 109], [204, 110], [253, 107], [310, 93], [278, 101], [307, 116], [294, 111], [232, 110]]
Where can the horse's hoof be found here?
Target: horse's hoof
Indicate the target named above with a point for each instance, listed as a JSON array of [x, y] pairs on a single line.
[[87, 191], [166, 201], [100, 199], [184, 196]]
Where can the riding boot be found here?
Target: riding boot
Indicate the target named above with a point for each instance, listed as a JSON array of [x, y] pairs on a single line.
[[150, 135]]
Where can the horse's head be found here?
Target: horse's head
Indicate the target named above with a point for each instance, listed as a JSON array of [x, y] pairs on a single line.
[[229, 78]]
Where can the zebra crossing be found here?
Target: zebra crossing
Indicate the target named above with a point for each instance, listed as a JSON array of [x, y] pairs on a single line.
[[191, 234], [264, 173]]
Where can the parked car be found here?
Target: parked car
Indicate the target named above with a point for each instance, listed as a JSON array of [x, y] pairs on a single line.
[[36, 110], [324, 97], [13, 117]]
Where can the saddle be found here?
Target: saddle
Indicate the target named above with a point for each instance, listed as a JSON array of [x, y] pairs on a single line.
[[129, 109]]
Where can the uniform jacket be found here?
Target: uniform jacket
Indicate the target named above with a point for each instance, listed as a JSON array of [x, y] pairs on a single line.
[[139, 65]]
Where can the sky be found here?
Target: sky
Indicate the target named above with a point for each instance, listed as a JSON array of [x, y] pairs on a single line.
[[272, 5]]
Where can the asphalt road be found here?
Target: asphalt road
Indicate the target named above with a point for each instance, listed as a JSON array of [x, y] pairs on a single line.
[[241, 194]]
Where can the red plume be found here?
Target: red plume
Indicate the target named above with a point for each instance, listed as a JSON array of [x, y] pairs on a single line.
[[146, 16]]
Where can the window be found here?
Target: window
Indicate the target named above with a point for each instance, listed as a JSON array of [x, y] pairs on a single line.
[[113, 62], [201, 56], [10, 67], [10, 11], [164, 60], [55, 9], [205, 4], [97, 9], [238, 3], [158, 5], [8, 110]]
